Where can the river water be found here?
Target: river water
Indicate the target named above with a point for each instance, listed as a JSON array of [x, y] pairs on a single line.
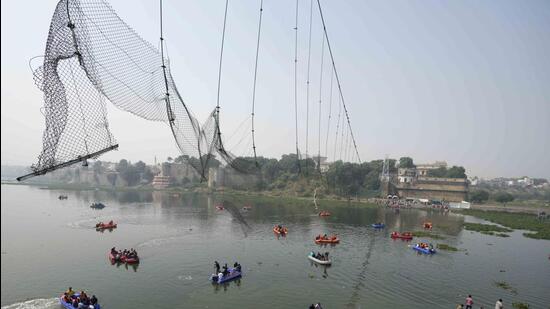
[[49, 244]]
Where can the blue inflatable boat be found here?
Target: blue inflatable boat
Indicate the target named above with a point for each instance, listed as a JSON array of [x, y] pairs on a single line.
[[424, 250], [67, 305], [378, 226], [233, 274]]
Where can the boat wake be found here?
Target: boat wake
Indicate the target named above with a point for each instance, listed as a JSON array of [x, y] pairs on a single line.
[[39, 303]]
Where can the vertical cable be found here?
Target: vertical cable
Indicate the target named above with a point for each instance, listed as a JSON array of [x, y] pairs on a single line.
[[220, 79], [307, 82], [320, 98], [296, 85], [255, 77], [337, 79], [329, 112]]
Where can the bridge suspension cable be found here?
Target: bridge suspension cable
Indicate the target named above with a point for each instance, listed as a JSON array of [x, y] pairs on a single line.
[[337, 79]]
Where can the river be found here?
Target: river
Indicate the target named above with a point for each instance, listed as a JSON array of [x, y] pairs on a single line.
[[50, 244]]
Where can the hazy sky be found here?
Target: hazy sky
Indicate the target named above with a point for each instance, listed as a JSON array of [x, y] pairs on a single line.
[[463, 81]]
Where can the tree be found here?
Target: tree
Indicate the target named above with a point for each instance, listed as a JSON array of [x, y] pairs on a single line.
[[504, 197], [406, 162], [438, 172], [97, 167], [456, 172], [479, 196]]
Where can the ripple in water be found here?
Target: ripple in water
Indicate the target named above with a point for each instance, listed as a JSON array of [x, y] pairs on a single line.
[[40, 303]]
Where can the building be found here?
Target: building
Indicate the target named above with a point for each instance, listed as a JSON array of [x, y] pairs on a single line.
[[414, 183], [422, 169], [434, 188], [406, 175]]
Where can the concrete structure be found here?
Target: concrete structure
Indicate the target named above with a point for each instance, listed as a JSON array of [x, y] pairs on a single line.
[[422, 169], [161, 182], [413, 183], [446, 189], [406, 175]]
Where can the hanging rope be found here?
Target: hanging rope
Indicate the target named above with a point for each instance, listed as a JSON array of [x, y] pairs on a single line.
[[307, 82], [320, 99], [337, 129], [329, 112], [220, 78], [337, 79], [296, 87], [255, 77]]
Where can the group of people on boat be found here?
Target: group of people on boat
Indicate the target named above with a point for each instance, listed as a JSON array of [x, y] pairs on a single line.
[[424, 245], [315, 306], [324, 213], [101, 224], [279, 229], [407, 235], [320, 256], [326, 237], [80, 300], [225, 271], [428, 225], [124, 254]]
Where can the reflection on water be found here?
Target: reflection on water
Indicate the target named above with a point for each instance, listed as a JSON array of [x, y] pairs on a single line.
[[178, 236]]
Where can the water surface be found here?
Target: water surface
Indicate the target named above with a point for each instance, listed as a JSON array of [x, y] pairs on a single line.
[[50, 244]]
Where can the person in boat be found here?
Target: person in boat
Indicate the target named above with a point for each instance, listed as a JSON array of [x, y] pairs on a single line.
[[93, 300], [83, 296], [225, 271], [217, 267], [66, 298], [70, 292], [326, 256], [431, 246], [312, 306], [325, 237], [220, 277], [75, 303], [318, 237], [111, 222]]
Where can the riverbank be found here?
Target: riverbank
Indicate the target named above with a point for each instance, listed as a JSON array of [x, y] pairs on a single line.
[[233, 195], [539, 228]]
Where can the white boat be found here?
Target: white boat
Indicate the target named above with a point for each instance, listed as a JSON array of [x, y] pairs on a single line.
[[311, 256]]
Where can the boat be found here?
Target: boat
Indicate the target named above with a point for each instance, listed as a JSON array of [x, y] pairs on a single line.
[[423, 250], [280, 231], [404, 236], [123, 259], [330, 240], [70, 306], [312, 257], [220, 207], [428, 225], [97, 206], [247, 208], [233, 274], [378, 225], [63, 197], [112, 258], [130, 260], [105, 226], [324, 213]]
